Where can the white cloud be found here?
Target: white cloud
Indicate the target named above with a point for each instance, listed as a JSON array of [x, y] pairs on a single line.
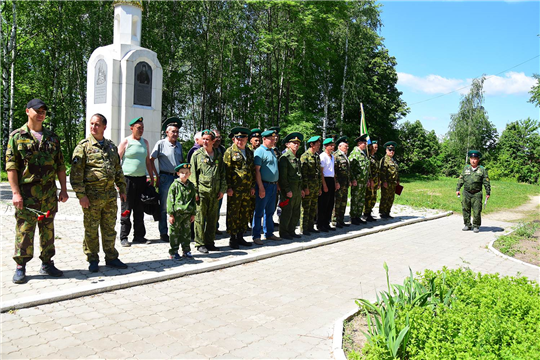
[[509, 84]]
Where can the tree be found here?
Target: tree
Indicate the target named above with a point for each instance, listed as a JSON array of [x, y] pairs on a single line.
[[418, 149], [535, 91]]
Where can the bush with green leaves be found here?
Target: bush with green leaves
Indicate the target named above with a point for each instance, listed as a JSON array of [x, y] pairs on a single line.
[[485, 317]]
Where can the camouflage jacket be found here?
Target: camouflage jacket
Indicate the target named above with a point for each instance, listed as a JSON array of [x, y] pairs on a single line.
[[207, 174], [342, 168], [36, 163], [240, 170], [311, 171], [472, 180], [95, 169], [289, 171], [181, 198], [359, 166], [389, 170], [374, 169]]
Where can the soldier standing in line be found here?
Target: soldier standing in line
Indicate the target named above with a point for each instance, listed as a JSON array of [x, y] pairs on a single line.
[[311, 184], [240, 175], [329, 187], [343, 177], [389, 176], [219, 148], [373, 182], [33, 161], [208, 176], [181, 207], [472, 178], [290, 183], [95, 169], [255, 140], [359, 175]]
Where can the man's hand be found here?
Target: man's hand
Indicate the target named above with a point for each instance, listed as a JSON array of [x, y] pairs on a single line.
[[171, 219], [262, 193], [306, 192], [230, 192], [17, 201], [354, 183], [252, 191], [289, 194], [219, 195], [63, 196], [487, 197], [192, 218], [325, 188], [457, 193], [123, 197], [337, 186], [85, 203], [303, 193], [385, 184]]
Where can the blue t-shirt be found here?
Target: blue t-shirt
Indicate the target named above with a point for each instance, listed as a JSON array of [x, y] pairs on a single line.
[[267, 160]]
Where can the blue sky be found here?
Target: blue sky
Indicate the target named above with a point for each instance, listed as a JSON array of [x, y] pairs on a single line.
[[441, 45]]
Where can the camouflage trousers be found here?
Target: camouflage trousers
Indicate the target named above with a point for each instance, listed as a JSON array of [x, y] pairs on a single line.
[[206, 219], [25, 229], [371, 200], [472, 201], [340, 204], [239, 211], [309, 210], [101, 215], [387, 198], [290, 214], [180, 233], [358, 197]]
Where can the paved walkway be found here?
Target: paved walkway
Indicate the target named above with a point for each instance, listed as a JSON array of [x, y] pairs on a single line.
[[279, 307]]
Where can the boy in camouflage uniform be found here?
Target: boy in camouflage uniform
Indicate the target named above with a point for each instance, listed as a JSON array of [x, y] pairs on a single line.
[[359, 178], [290, 184], [208, 176], [389, 176], [240, 174], [95, 169], [181, 208], [342, 170], [33, 160], [472, 178], [311, 184], [373, 182]]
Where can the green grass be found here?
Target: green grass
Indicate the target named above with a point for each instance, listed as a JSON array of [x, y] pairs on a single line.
[[509, 244], [3, 176], [440, 193]]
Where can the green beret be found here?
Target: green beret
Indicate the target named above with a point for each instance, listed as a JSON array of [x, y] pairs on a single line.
[[172, 121], [268, 133], [313, 139], [276, 128], [255, 133], [340, 140], [374, 142], [361, 138], [238, 131], [391, 145], [208, 132], [475, 153], [136, 120], [328, 141], [294, 136], [182, 166]]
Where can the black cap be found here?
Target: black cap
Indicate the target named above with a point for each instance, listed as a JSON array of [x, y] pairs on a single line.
[[36, 104]]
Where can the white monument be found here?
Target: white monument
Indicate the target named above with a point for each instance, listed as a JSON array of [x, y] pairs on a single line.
[[124, 80]]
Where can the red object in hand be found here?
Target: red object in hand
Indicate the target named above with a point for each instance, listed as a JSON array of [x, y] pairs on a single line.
[[126, 213], [284, 203], [48, 213], [40, 217]]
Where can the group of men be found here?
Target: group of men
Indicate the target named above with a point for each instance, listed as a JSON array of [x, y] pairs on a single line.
[[311, 189]]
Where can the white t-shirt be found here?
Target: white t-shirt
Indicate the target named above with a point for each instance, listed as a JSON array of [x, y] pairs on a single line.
[[327, 163]]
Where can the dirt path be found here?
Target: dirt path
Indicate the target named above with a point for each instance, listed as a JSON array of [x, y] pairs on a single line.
[[516, 214]]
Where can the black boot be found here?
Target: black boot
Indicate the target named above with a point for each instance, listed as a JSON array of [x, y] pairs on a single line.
[[233, 242], [241, 241]]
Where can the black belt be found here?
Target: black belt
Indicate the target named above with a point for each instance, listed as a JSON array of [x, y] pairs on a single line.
[[167, 173], [473, 191], [270, 182]]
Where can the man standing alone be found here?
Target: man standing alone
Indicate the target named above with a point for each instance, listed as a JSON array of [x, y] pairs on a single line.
[[95, 169], [168, 152], [33, 161]]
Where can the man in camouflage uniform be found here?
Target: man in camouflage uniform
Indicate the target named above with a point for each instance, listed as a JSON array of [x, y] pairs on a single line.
[[208, 176], [290, 184], [240, 175], [359, 179], [311, 184], [95, 169], [342, 169], [373, 181], [389, 176], [472, 178], [33, 161]]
